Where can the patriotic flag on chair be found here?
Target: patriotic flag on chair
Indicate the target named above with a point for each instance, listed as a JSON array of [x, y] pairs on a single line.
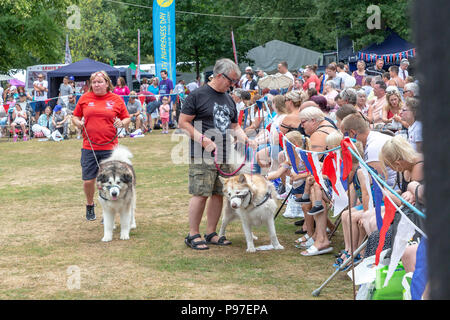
[[333, 168], [312, 164], [389, 214], [290, 152]]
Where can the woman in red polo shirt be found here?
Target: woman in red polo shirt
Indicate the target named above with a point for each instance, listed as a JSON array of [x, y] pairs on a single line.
[[313, 81], [98, 114]]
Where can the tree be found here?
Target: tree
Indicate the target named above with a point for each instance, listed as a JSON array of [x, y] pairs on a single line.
[[31, 32]]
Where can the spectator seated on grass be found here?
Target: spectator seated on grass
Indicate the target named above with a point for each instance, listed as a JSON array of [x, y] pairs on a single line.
[[44, 127], [60, 121], [134, 108]]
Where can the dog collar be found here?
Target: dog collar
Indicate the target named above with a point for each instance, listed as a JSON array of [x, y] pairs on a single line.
[[266, 197], [100, 195]]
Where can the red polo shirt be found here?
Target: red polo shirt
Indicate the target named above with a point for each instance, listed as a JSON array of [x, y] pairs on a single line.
[[99, 114], [314, 79]]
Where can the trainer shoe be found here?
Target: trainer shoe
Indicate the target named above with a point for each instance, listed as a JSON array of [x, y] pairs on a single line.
[[90, 213], [303, 201], [316, 210], [281, 189], [25, 138], [15, 138]]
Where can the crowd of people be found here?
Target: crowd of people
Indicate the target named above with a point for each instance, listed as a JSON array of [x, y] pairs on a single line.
[[378, 109], [27, 115]]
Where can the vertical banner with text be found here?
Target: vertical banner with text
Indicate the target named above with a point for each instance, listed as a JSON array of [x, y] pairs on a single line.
[[164, 37]]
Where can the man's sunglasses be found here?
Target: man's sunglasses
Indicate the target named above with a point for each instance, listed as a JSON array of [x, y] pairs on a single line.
[[229, 79]]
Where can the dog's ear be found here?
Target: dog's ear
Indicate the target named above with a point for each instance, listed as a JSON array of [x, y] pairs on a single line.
[[127, 178], [243, 179], [102, 178], [223, 180]]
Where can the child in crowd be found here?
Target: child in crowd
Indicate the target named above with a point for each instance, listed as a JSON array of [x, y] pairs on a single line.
[[164, 111], [313, 192], [297, 180], [20, 117]]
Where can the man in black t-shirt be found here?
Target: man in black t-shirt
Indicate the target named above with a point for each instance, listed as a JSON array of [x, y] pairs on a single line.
[[209, 117]]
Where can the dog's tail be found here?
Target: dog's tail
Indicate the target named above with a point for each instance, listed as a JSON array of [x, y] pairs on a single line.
[[121, 153]]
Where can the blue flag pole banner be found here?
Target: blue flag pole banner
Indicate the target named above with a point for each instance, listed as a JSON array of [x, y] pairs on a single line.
[[164, 37]]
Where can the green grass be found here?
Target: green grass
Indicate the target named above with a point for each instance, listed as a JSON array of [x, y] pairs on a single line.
[[44, 232]]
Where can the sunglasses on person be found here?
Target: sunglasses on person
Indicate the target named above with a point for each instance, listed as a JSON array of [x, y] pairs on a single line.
[[229, 79]]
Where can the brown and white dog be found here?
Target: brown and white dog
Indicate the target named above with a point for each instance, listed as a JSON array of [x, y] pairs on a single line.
[[116, 183], [250, 198]]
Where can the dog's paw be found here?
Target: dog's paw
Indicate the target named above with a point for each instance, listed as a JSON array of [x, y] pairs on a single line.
[[253, 249], [133, 226], [106, 239], [124, 236], [254, 237], [279, 247]]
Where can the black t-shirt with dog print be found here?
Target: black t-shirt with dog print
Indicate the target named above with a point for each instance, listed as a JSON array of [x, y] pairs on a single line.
[[214, 113]]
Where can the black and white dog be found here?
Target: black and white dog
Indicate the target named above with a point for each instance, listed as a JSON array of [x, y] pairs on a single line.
[[116, 183]]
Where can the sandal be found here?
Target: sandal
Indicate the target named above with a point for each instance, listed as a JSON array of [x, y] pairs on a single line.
[[194, 244], [220, 242], [302, 239]]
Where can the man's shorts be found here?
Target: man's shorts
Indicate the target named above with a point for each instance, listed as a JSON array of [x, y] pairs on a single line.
[[40, 106], [89, 167], [204, 179]]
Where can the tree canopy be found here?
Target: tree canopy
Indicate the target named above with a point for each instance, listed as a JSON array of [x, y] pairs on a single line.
[[33, 32]]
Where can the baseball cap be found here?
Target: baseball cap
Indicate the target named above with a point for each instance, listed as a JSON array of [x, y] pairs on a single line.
[[72, 78], [57, 108]]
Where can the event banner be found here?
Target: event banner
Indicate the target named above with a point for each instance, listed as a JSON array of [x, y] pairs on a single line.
[[164, 37]]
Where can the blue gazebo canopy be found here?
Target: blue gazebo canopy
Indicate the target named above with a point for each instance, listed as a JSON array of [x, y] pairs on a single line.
[[81, 70]]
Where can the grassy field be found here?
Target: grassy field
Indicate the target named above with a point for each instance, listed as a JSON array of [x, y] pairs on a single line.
[[44, 235]]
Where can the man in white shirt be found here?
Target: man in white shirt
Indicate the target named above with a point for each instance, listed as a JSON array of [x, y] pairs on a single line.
[[348, 80], [40, 87], [403, 72], [357, 128], [191, 86], [244, 76], [179, 88], [283, 69]]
